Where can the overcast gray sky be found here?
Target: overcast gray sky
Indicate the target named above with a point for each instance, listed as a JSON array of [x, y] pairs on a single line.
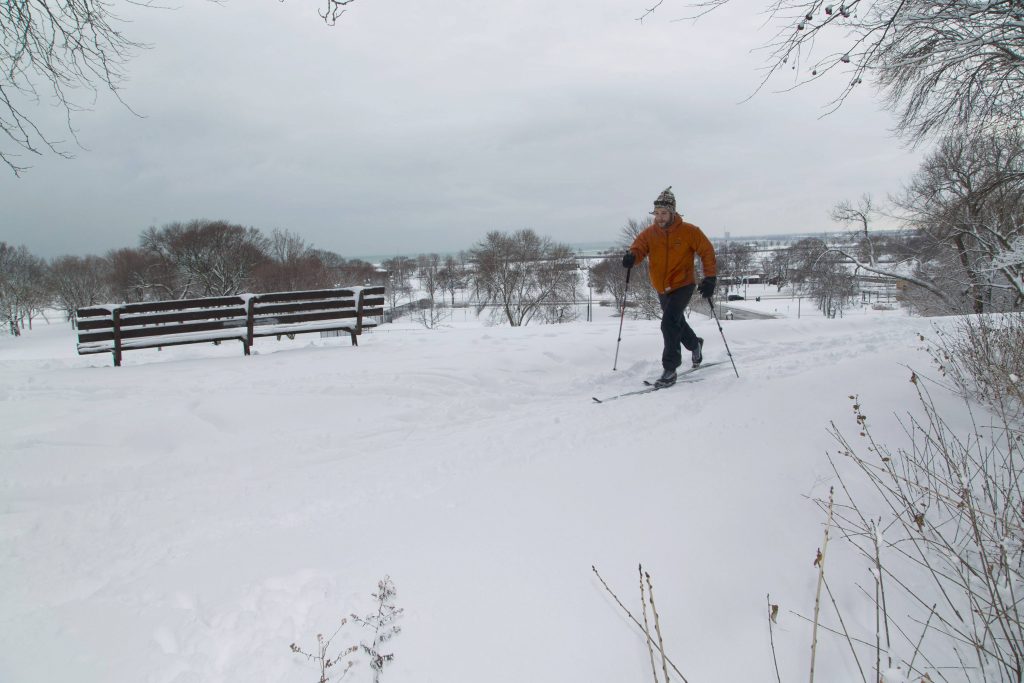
[[419, 125]]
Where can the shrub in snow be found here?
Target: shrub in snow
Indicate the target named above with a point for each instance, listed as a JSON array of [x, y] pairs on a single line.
[[983, 355], [328, 665], [382, 623], [383, 626], [940, 525]]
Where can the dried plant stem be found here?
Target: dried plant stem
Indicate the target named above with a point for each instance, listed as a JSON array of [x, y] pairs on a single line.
[[878, 627], [647, 628], [917, 648], [846, 632], [773, 610], [820, 562], [638, 624], [804, 617], [657, 624], [881, 612]]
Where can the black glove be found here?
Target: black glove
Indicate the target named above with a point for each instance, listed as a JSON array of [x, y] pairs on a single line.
[[629, 259], [707, 287]]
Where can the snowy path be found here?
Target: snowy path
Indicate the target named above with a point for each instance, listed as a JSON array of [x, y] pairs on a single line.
[[187, 516]]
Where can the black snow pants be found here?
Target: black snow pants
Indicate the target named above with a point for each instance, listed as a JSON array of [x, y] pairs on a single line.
[[674, 328]]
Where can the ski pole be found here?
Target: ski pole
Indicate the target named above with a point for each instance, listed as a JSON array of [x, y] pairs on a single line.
[[615, 366], [722, 332]]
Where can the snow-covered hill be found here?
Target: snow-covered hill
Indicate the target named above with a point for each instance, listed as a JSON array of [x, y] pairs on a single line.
[[186, 517]]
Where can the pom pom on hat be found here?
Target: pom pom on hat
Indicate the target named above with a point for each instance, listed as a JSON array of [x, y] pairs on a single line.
[[666, 200]]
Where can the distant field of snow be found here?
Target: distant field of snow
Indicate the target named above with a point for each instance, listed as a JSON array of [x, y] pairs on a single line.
[[186, 517]]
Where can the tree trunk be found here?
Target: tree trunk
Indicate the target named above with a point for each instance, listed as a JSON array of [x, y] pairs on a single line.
[[977, 296]]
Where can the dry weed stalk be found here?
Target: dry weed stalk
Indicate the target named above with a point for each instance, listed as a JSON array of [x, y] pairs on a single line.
[[323, 660], [880, 606], [383, 626], [773, 616], [819, 562], [657, 623], [647, 628], [638, 624], [846, 633]]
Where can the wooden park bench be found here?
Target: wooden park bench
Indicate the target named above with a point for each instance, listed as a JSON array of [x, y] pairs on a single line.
[[122, 327]]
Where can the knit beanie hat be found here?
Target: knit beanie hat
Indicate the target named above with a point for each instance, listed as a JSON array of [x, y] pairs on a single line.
[[666, 200]]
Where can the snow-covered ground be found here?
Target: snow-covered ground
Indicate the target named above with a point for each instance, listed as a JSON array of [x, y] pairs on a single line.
[[785, 303], [186, 517]]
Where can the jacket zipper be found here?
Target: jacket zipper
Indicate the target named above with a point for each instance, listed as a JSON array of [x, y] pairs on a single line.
[[667, 286]]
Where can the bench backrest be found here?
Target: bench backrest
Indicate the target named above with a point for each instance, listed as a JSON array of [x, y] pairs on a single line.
[[315, 310], [100, 328]]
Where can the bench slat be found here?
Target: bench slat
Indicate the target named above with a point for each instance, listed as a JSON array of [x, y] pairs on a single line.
[[292, 328], [299, 306], [182, 316], [311, 295], [161, 306], [165, 330], [154, 342], [164, 318], [305, 317]]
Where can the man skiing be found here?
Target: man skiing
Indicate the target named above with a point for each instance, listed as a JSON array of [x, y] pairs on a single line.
[[670, 243]]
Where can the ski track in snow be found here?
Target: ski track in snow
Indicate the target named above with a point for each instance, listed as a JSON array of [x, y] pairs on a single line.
[[187, 516]]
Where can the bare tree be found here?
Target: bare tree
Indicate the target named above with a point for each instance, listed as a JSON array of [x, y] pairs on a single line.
[[65, 52], [285, 245], [128, 273], [914, 264], [77, 281], [452, 276], [643, 300], [398, 270], [403, 267], [966, 208], [608, 277], [859, 213], [773, 271], [428, 272], [968, 199], [941, 66], [735, 260], [23, 289], [859, 216], [356, 272], [525, 277], [777, 268], [823, 273], [206, 258], [831, 285], [292, 265]]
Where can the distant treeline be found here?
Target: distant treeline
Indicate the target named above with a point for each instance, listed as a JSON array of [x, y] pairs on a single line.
[[177, 261]]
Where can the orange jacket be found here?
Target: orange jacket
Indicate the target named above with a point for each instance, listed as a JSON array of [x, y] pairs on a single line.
[[671, 251]]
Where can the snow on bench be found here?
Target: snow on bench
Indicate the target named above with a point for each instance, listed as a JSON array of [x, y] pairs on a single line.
[[116, 328]]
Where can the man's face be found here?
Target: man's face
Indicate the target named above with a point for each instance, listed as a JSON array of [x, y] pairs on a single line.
[[662, 216]]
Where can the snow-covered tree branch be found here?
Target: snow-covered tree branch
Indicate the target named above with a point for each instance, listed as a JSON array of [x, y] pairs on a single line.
[[941, 66]]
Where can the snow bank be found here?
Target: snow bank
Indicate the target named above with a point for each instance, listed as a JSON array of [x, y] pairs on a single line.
[[188, 516]]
